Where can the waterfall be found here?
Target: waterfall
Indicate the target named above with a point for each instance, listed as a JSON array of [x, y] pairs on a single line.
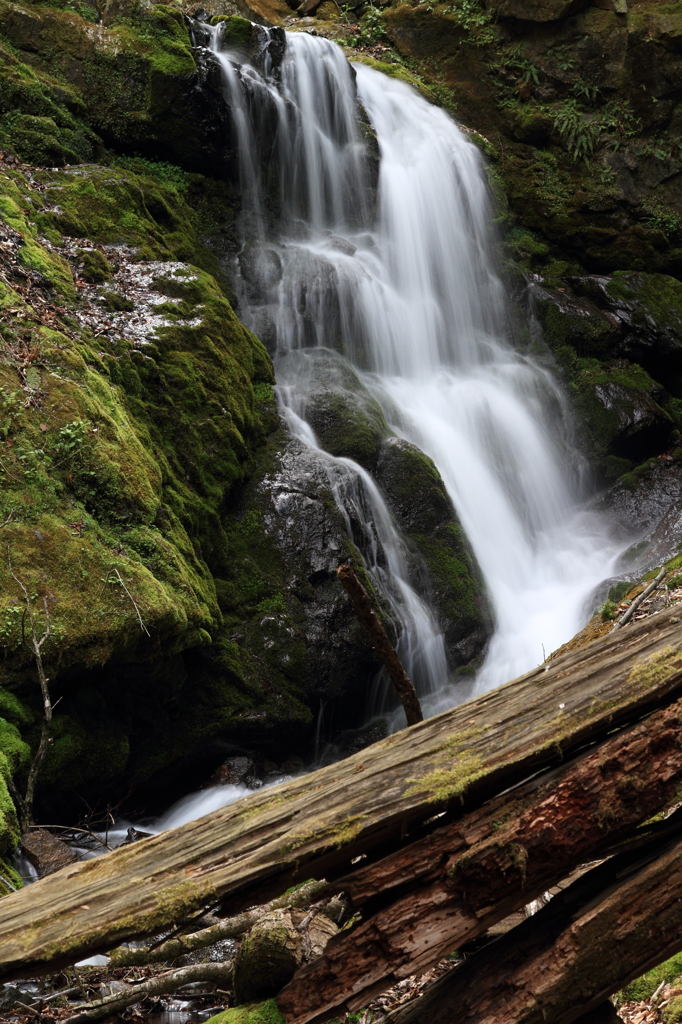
[[367, 230]]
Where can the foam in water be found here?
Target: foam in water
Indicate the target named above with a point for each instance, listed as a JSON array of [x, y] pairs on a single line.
[[405, 288]]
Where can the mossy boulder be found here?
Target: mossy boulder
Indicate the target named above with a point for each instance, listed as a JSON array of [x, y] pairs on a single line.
[[290, 626], [119, 456], [133, 82], [625, 414], [253, 1013], [445, 567]]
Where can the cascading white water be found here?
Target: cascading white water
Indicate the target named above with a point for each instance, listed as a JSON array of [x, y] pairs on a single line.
[[405, 289]]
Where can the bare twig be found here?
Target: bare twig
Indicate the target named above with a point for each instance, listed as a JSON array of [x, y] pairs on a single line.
[[75, 828], [10, 519], [57, 995], [8, 883], [169, 981], [228, 928], [35, 646], [134, 604], [627, 615], [29, 1008]]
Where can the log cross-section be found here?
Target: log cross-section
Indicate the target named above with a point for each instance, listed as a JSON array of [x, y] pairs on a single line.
[[250, 851]]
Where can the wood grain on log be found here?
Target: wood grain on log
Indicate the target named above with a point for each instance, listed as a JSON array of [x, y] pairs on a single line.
[[251, 850], [367, 617], [612, 925], [449, 887]]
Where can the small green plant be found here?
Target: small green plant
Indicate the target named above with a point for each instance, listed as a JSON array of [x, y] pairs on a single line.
[[468, 13], [70, 440], [168, 174], [583, 91], [11, 404], [608, 611], [558, 54], [618, 591], [371, 28], [576, 130]]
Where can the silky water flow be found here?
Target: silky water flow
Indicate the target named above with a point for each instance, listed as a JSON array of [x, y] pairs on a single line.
[[378, 263], [392, 269]]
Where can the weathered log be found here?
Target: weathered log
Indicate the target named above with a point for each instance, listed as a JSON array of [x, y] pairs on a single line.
[[451, 886], [371, 803], [362, 606], [613, 924]]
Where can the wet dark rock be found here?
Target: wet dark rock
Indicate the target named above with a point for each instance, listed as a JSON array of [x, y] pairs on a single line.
[[261, 268], [298, 625], [46, 852], [342, 245], [444, 567], [268, 50], [646, 506], [233, 772], [16, 992], [133, 835]]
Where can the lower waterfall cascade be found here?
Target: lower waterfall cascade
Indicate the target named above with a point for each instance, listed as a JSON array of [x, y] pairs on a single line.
[[396, 274]]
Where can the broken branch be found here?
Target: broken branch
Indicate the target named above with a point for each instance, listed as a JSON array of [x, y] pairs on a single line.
[[229, 928], [629, 612], [169, 981], [368, 618]]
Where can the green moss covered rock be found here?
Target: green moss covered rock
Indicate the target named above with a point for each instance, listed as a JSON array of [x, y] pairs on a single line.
[[445, 567], [624, 413], [254, 1013], [133, 83], [119, 455]]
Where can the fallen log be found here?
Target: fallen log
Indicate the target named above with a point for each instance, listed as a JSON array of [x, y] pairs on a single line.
[[367, 617], [613, 924], [370, 804], [451, 886]]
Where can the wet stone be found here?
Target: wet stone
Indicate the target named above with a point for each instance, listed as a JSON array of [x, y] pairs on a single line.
[[46, 852]]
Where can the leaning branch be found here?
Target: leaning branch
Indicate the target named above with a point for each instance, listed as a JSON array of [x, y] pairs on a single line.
[[368, 618], [133, 602]]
